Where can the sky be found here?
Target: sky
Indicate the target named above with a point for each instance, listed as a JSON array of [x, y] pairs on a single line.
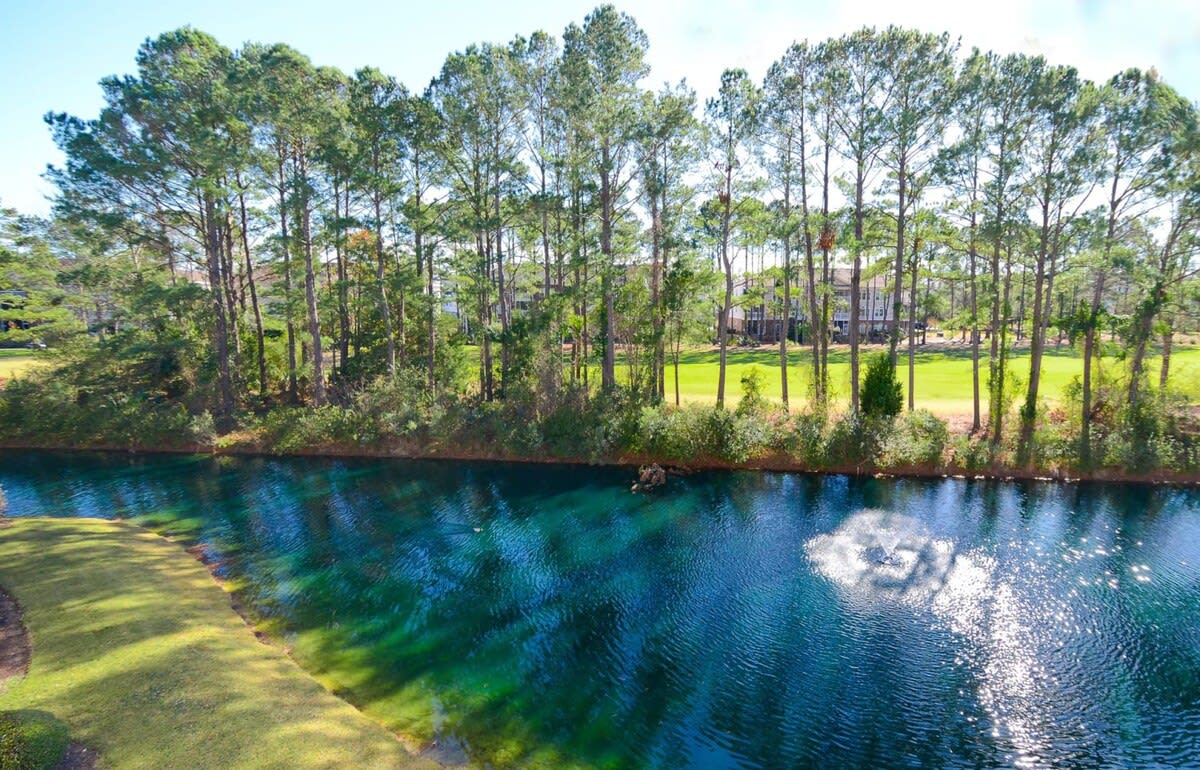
[[52, 54]]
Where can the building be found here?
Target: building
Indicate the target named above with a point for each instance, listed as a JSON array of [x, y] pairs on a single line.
[[760, 318]]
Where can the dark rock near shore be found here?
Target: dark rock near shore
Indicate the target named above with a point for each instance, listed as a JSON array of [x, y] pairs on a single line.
[[650, 477]]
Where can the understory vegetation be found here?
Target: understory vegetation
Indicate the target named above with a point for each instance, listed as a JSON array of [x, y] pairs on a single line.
[[1162, 433]]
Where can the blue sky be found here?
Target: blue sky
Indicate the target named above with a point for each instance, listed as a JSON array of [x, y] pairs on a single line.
[[53, 53]]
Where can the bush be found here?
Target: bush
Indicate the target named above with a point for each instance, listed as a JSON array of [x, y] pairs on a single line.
[[971, 454], [202, 430], [881, 393], [51, 410], [918, 438], [696, 432], [31, 740], [398, 407], [855, 439], [752, 402], [291, 429], [807, 440]]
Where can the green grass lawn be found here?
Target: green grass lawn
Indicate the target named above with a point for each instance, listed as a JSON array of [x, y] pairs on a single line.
[[16, 362], [943, 377], [136, 648]]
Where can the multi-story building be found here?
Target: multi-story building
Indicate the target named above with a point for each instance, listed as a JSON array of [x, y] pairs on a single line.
[[757, 309]]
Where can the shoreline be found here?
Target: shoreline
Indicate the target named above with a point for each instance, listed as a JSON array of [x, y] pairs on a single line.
[[773, 463], [225, 619]]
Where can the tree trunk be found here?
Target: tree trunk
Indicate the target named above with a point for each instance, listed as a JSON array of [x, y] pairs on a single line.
[[656, 330], [1143, 331], [293, 386], [786, 312], [260, 342], [897, 303], [995, 384], [310, 295], [1165, 369], [912, 327], [855, 283], [1038, 335], [726, 263], [1089, 346], [976, 422], [220, 329], [1000, 340], [505, 352], [608, 374], [342, 273], [231, 305]]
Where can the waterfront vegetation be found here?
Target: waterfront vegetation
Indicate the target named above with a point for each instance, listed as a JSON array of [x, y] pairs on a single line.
[[400, 417], [248, 251]]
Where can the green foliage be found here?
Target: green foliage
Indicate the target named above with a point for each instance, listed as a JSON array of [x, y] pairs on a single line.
[[855, 439], [918, 438], [202, 430], [970, 453], [293, 429], [881, 394], [49, 409], [31, 740], [753, 403], [1158, 431], [396, 408], [701, 432], [807, 440]]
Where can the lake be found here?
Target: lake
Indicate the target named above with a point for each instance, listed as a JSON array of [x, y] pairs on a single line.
[[544, 616]]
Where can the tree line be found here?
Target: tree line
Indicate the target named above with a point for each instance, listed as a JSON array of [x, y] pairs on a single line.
[[245, 228]]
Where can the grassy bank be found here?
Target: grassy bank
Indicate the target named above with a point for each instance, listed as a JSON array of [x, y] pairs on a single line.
[[139, 651]]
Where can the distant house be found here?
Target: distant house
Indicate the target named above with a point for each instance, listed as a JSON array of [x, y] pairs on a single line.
[[762, 319], [11, 303]]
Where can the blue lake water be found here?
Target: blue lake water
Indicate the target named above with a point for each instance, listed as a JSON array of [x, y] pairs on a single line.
[[543, 616]]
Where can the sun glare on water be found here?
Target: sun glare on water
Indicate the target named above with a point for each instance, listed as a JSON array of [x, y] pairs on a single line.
[[881, 558]]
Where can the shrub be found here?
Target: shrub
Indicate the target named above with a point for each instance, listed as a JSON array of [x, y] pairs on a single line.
[[855, 439], [290, 429], [202, 430], [808, 438], [752, 402], [881, 393], [396, 407], [918, 438], [695, 432], [31, 740], [731, 437], [970, 454]]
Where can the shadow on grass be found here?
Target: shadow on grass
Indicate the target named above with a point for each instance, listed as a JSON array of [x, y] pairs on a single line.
[[139, 652]]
